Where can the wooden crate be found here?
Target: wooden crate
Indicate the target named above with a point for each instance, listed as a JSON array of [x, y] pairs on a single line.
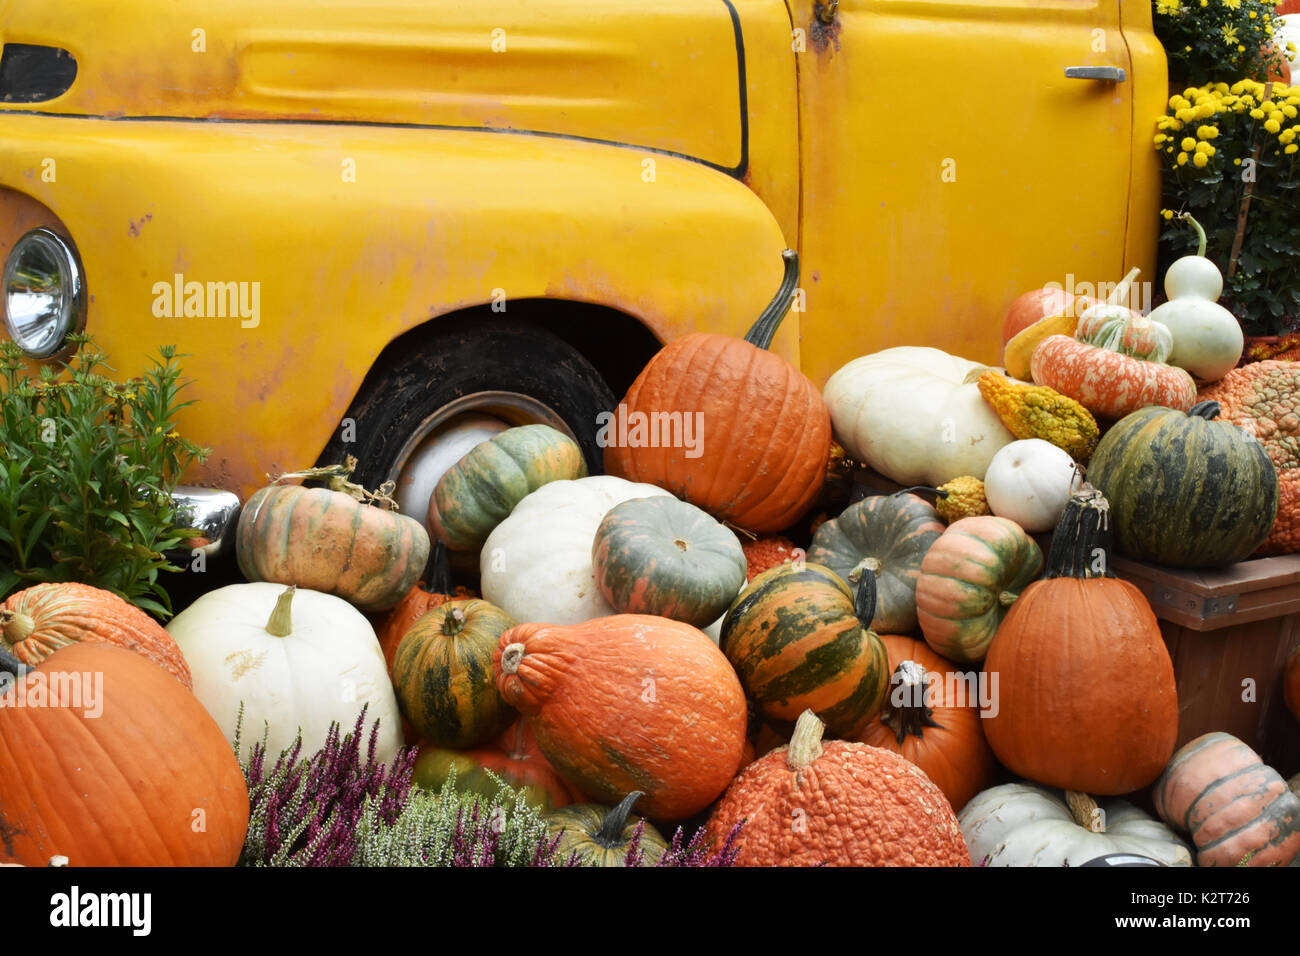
[[1222, 629]]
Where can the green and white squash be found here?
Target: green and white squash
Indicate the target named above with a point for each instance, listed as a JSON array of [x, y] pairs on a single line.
[[1022, 824], [478, 492], [886, 536], [667, 557]]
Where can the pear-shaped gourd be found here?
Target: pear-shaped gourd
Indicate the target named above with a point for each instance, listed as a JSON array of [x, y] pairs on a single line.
[[293, 658]]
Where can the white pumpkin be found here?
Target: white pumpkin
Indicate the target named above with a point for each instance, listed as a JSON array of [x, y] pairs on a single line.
[[915, 415], [1029, 482], [294, 658], [536, 564], [1020, 824]]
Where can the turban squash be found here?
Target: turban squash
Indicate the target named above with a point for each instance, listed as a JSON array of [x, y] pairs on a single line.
[[1086, 693], [766, 432], [1264, 399], [145, 777], [837, 803], [36, 622]]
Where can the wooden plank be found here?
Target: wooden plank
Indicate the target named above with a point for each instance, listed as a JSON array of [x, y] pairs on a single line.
[[1255, 574]]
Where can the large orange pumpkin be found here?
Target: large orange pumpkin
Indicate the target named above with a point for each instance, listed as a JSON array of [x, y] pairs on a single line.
[[140, 775], [837, 803], [764, 430], [931, 716], [1085, 693], [38, 621], [629, 702]]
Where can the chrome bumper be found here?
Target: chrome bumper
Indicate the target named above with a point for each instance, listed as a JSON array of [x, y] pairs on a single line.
[[213, 513]]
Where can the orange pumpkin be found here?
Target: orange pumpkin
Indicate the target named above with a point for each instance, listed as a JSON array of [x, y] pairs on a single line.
[[38, 621], [764, 430], [1261, 398], [629, 702], [937, 729], [1109, 383], [140, 776], [1086, 694], [1234, 806], [513, 756], [837, 803]]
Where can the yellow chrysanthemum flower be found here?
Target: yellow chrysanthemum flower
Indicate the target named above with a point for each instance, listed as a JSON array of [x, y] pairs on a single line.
[[1188, 144], [1205, 148], [1182, 159], [1288, 136], [1229, 35], [1291, 149], [1185, 115], [1167, 213], [1200, 160], [1232, 4], [1207, 132], [1289, 111], [1257, 114], [1160, 139], [1272, 126]]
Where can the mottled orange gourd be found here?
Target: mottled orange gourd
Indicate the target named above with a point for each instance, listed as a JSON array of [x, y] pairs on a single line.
[[764, 429], [837, 803], [932, 718], [629, 702], [120, 781], [36, 622], [1264, 399]]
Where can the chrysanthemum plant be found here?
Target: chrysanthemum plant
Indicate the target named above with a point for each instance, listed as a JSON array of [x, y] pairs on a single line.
[[1209, 41]]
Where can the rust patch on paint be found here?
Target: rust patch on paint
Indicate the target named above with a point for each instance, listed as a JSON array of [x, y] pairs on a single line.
[[134, 225], [824, 31]]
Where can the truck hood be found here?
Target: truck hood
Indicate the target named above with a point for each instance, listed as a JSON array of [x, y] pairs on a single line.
[[666, 76]]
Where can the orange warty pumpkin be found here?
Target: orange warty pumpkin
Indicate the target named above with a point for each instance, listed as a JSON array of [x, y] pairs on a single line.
[[38, 621], [943, 736], [1085, 694], [766, 432], [837, 803], [629, 702], [121, 780]]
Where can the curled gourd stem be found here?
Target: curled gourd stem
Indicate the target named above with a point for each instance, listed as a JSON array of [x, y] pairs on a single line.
[[1085, 811], [610, 834], [1119, 296], [806, 743], [281, 621], [336, 479], [1200, 232], [1207, 410], [511, 657], [764, 329]]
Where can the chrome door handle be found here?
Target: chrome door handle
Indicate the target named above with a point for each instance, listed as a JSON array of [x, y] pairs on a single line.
[[1111, 74]]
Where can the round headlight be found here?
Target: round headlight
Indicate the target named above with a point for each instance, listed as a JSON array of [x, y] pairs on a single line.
[[44, 294]]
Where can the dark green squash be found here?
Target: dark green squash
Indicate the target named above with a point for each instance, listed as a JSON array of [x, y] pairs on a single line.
[[666, 557], [1185, 491], [601, 835], [442, 673], [888, 535], [800, 641]]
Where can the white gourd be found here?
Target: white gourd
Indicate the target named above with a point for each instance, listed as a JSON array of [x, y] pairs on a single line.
[[322, 664]]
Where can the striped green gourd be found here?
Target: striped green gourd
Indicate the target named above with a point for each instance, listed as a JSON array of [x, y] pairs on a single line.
[[442, 674], [479, 491], [800, 641], [1185, 491]]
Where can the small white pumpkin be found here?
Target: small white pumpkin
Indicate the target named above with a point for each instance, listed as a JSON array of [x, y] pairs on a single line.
[[915, 415], [536, 564], [294, 658], [1029, 482], [1020, 824]]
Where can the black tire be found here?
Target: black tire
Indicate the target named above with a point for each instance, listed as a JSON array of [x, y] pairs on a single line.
[[458, 358]]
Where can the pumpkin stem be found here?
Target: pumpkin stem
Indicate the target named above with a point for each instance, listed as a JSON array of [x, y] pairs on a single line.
[[1207, 410], [610, 834], [806, 743], [1120, 294], [16, 625], [864, 602], [1081, 543], [453, 622], [336, 479], [913, 715], [1007, 598], [437, 572], [934, 491], [1085, 811], [281, 622], [11, 665], [511, 658], [764, 329]]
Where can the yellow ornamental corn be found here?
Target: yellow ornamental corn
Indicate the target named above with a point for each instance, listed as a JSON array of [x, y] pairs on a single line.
[[1036, 411], [964, 499]]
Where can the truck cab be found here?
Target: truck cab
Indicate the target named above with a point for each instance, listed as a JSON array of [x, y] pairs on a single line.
[[391, 228]]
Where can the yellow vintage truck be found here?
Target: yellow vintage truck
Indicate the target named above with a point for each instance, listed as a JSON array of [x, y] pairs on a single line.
[[391, 227]]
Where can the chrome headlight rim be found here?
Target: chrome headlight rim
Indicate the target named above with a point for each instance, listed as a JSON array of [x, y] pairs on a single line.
[[72, 314]]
